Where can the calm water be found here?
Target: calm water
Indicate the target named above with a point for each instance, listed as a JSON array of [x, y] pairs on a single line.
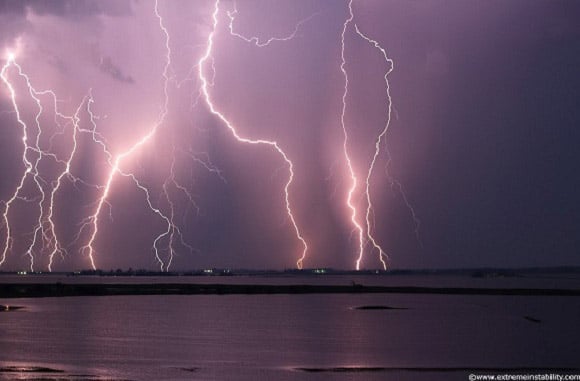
[[270, 337]]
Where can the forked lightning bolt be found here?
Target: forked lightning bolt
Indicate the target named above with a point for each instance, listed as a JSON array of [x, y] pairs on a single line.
[[357, 226], [172, 230], [25, 159], [44, 232], [47, 187], [205, 84], [65, 174], [256, 40], [32, 155], [394, 182], [369, 224]]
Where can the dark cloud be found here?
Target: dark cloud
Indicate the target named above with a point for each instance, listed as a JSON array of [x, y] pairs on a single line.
[[13, 7], [12, 20], [13, 13], [67, 8], [484, 140], [107, 66]]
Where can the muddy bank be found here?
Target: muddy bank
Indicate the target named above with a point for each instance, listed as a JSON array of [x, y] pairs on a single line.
[[64, 289]]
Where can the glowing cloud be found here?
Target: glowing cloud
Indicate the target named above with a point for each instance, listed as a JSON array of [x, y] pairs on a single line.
[[54, 136]]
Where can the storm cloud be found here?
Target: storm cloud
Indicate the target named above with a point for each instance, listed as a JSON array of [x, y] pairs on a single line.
[[481, 144]]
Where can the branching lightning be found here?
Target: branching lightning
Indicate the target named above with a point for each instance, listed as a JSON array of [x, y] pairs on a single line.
[[66, 173], [256, 40], [25, 159], [44, 231], [369, 219], [172, 231], [369, 211], [357, 226], [38, 139], [32, 155], [205, 83]]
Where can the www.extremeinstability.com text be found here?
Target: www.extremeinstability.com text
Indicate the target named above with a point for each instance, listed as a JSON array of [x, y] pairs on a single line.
[[524, 377]]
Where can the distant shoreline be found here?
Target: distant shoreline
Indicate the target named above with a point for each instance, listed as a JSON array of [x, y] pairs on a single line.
[[485, 272], [38, 290]]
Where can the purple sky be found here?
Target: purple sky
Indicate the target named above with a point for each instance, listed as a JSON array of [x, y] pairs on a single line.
[[483, 136]]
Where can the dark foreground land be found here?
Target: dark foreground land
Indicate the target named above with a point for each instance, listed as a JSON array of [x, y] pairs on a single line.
[[35, 290]]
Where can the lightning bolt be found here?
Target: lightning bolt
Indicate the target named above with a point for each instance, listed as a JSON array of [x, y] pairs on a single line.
[[88, 248], [357, 226], [52, 239], [256, 40], [394, 182], [165, 208], [171, 229], [398, 187], [45, 228], [29, 166], [205, 84], [369, 221], [34, 170], [41, 233], [380, 137]]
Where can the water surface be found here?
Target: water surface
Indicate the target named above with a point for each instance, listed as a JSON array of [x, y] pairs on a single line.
[[286, 337]]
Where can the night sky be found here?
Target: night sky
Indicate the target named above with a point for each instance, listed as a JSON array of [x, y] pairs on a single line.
[[482, 145]]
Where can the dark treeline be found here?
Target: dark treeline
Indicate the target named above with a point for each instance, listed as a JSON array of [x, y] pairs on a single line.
[[59, 289], [476, 273]]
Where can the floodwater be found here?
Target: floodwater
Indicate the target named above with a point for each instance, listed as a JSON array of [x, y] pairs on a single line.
[[288, 337]]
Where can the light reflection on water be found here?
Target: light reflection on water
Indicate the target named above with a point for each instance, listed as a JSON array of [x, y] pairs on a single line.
[[285, 337]]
